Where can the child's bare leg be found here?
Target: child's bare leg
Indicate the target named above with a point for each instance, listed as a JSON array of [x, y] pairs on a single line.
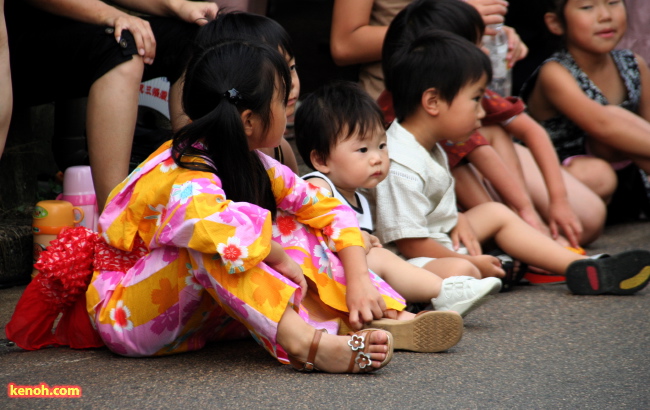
[[112, 112], [588, 206], [333, 355], [597, 174], [448, 267], [470, 191], [413, 283], [518, 239]]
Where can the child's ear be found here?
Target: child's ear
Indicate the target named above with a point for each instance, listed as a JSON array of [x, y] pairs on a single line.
[[553, 24], [318, 163], [248, 119], [431, 101]]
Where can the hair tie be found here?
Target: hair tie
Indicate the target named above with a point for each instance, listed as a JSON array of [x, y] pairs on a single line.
[[233, 96]]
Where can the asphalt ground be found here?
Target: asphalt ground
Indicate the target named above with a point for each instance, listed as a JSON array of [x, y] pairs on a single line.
[[534, 347]]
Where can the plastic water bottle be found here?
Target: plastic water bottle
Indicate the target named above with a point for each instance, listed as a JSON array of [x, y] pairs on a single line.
[[497, 44]]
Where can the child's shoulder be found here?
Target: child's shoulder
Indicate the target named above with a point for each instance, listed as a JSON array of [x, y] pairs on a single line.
[[405, 150]]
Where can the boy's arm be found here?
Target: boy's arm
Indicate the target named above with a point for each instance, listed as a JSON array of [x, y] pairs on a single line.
[[488, 162], [609, 124], [560, 214]]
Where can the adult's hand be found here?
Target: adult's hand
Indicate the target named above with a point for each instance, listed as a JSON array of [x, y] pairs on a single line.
[[197, 12], [492, 11]]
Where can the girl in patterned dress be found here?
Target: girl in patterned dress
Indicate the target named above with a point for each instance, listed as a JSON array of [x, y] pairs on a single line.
[[197, 235], [593, 99]]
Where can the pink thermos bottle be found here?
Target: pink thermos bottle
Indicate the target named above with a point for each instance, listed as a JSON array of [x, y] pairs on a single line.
[[78, 189]]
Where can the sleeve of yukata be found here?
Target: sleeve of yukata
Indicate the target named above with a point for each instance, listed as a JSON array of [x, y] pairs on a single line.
[[313, 207], [200, 217]]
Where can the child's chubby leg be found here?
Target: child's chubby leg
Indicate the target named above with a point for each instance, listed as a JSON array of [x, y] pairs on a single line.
[[413, 283], [332, 353], [587, 205]]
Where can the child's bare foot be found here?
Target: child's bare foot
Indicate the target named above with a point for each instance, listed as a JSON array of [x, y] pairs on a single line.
[[363, 351]]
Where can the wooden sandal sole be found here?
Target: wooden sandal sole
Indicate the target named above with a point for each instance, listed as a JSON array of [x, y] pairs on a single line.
[[427, 333]]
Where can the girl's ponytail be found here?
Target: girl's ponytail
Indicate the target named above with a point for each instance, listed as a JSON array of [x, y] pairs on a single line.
[[220, 83]]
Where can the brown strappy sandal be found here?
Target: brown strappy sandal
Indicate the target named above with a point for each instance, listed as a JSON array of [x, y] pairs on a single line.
[[359, 355]]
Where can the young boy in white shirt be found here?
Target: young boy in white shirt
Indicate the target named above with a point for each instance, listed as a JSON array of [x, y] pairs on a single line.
[[437, 83]]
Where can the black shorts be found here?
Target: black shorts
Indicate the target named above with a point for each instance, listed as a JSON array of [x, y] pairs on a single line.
[[56, 58]]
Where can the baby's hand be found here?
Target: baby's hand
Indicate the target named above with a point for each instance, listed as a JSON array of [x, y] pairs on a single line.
[[370, 241], [364, 302]]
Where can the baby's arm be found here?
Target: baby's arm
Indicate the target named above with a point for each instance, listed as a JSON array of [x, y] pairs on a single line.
[[488, 162], [560, 213], [611, 125], [364, 301]]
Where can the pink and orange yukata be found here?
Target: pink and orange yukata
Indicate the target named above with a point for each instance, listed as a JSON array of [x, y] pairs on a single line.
[[190, 261]]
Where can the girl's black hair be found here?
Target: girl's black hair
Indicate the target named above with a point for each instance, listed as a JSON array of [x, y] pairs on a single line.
[[420, 16], [557, 7], [221, 82], [237, 25], [437, 59], [333, 113]]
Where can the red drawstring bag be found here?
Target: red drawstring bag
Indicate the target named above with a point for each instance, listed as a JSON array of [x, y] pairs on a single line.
[[65, 271]]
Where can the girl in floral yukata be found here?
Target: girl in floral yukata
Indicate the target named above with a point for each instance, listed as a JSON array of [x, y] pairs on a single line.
[[194, 237]]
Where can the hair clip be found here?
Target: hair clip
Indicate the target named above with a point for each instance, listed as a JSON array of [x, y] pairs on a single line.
[[233, 96]]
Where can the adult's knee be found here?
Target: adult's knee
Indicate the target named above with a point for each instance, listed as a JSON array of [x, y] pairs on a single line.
[[129, 72]]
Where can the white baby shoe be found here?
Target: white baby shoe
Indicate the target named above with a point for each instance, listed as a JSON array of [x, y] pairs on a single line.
[[463, 294]]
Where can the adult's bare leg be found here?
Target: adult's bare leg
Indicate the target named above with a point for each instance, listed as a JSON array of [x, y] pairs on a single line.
[[110, 125], [6, 97]]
